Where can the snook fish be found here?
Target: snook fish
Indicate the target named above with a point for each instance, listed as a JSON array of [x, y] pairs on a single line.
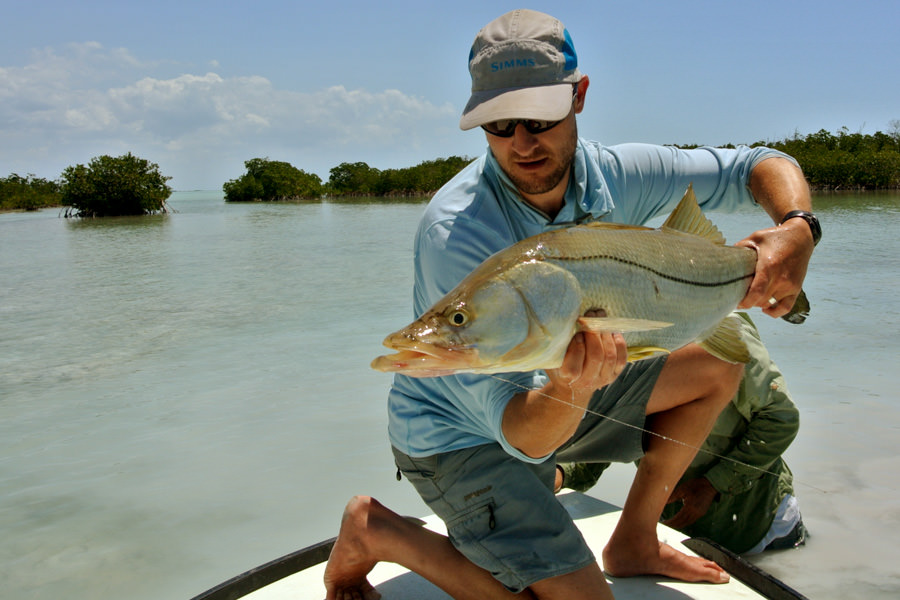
[[517, 311]]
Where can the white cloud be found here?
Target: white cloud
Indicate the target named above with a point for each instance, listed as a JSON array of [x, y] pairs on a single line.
[[105, 101]]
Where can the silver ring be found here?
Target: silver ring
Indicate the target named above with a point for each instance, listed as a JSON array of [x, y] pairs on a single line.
[[773, 301]]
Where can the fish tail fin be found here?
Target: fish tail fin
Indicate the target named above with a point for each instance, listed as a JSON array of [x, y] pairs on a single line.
[[800, 311], [725, 342]]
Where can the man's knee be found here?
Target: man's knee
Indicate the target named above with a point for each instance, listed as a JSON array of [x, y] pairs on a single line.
[[730, 378], [723, 380], [692, 374]]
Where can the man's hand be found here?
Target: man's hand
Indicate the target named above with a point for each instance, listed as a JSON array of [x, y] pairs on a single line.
[[592, 361], [697, 496], [783, 255], [538, 422], [783, 251]]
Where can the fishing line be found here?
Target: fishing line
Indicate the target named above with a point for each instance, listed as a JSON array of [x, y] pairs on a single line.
[[653, 433]]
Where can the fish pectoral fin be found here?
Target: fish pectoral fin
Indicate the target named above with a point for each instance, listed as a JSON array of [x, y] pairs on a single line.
[[642, 352], [619, 324], [726, 343]]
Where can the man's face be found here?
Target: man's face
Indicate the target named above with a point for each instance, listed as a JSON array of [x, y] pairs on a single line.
[[539, 163]]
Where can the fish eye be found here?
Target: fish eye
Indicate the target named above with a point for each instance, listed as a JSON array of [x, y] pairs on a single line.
[[458, 318]]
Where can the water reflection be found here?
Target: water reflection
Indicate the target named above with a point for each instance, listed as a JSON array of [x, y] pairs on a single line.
[[129, 222]]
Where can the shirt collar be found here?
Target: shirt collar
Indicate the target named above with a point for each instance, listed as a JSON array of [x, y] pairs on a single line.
[[586, 199]]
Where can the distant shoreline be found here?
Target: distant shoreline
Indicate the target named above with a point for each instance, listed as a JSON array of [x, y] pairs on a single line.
[[361, 198]]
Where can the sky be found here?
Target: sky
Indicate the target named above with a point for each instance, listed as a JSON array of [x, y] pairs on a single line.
[[199, 87]]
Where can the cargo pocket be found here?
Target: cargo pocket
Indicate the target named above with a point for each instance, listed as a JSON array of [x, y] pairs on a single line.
[[469, 531]]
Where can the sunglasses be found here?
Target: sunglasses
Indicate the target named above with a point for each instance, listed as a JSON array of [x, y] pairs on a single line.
[[507, 127]]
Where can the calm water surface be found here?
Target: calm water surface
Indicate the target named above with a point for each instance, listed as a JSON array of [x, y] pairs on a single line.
[[183, 397]]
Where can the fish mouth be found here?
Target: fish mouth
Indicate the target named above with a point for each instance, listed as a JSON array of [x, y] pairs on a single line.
[[424, 360]]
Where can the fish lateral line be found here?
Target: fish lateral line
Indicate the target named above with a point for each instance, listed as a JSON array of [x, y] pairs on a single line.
[[658, 273]]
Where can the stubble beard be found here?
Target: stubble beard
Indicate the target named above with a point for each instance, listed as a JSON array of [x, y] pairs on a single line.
[[537, 184]]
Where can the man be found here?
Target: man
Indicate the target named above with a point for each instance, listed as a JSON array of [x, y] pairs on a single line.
[[480, 451], [738, 491]]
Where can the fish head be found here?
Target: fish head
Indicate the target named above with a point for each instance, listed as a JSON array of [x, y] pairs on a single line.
[[504, 321]]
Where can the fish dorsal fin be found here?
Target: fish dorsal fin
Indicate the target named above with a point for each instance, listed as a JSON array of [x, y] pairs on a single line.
[[725, 341], [688, 218]]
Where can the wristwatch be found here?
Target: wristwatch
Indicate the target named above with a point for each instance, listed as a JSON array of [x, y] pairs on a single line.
[[810, 219]]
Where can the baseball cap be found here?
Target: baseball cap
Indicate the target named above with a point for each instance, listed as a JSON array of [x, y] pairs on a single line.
[[523, 65]]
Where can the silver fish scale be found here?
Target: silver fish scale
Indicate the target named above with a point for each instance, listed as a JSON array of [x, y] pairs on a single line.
[[659, 275]]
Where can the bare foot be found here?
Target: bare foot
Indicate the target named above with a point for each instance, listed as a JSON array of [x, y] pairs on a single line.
[[350, 560], [629, 559]]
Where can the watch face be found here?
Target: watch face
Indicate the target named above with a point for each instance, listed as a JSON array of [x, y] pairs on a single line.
[[814, 227], [810, 219]]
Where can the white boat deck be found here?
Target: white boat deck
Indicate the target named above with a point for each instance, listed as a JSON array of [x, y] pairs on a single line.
[[596, 520]]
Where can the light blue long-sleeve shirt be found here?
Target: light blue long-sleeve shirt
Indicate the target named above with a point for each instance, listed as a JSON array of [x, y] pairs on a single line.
[[479, 212]]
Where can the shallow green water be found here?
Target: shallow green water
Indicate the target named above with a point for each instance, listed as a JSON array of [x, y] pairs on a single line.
[[183, 397]]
